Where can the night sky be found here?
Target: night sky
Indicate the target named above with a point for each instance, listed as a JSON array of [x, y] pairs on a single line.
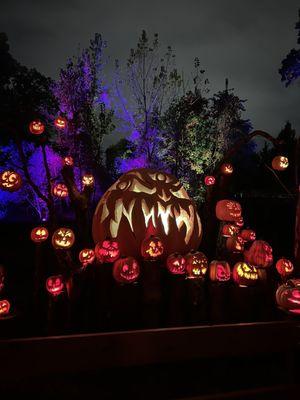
[[243, 41]]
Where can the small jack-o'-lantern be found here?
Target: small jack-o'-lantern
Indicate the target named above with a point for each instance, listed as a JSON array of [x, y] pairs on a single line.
[[245, 274], [2, 277], [87, 256], [248, 235], [10, 181], [60, 190], [60, 122], [196, 264], [176, 264], [239, 222], [39, 234], [4, 308], [126, 270], [68, 161], [284, 267], [228, 210], [259, 254], [229, 230], [235, 244], [55, 285], [63, 238], [88, 180], [36, 127], [226, 169], [107, 251], [219, 271], [280, 163], [209, 180], [288, 296], [152, 248]]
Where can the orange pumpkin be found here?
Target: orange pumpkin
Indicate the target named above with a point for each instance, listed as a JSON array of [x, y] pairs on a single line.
[[87, 256], [219, 271], [226, 169], [228, 210], [10, 181], [60, 190], [284, 267], [152, 248], [288, 296], [88, 180], [68, 161], [126, 270], [176, 264], [248, 235], [229, 230], [259, 254], [209, 180], [55, 285], [4, 308], [107, 251], [240, 222], [63, 238], [280, 163], [60, 122], [245, 274], [39, 234], [235, 244], [196, 264], [36, 127]]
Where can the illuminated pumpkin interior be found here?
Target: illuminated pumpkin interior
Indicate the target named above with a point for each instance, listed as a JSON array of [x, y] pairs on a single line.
[[10, 180], [63, 238]]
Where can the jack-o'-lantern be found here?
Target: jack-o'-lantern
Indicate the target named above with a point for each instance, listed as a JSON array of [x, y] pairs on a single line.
[[152, 248], [196, 264], [226, 169], [229, 230], [4, 308], [245, 274], [39, 234], [228, 210], [10, 181], [284, 267], [209, 180], [280, 163], [88, 180], [239, 222], [55, 285], [248, 235], [126, 270], [259, 254], [176, 264], [36, 127], [60, 190], [60, 122], [2, 277], [288, 296], [235, 244], [87, 256], [219, 271], [68, 161], [107, 251], [146, 202], [63, 238]]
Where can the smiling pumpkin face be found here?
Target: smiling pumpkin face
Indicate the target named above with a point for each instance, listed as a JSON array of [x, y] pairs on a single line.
[[10, 181], [39, 234], [228, 210], [145, 202], [63, 238], [288, 296]]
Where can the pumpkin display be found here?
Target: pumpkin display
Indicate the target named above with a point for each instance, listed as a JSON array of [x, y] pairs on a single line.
[[209, 180], [55, 285], [226, 169], [107, 251], [68, 161], [146, 202], [10, 181], [36, 127], [259, 254], [239, 222], [88, 180], [284, 267], [176, 264], [60, 190], [86, 256], [4, 308], [196, 264], [152, 248], [288, 296], [2, 277], [245, 274], [39, 234], [229, 230], [248, 235], [280, 163], [235, 244], [228, 210], [126, 270], [60, 122], [63, 238], [219, 271]]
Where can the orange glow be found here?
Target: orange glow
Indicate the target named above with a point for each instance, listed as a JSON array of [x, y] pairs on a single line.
[[228, 210], [39, 234], [259, 254], [36, 127], [248, 235], [196, 264], [152, 248], [4, 307], [87, 256], [55, 285], [229, 230], [284, 267], [88, 180], [60, 122], [126, 270], [68, 160], [235, 244], [107, 251], [244, 274], [176, 264], [10, 181], [60, 190], [226, 169], [209, 180], [63, 238], [280, 163]]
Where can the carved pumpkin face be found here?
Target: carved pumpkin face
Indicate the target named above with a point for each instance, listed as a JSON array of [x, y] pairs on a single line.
[[68, 161], [176, 264], [219, 271], [36, 127], [146, 202], [235, 244], [88, 180], [248, 235], [152, 248], [284, 267], [209, 180], [10, 181], [4, 308], [196, 264], [63, 238], [60, 122], [39, 234], [240, 222], [126, 270], [228, 210], [87, 256], [55, 285], [107, 251], [288, 296], [245, 274], [60, 190], [259, 254], [2, 277], [226, 169], [280, 163], [229, 230]]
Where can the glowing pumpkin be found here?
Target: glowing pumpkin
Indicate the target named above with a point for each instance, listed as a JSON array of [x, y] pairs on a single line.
[[245, 274], [60, 122], [152, 248], [280, 163], [176, 264], [229, 230], [4, 308], [228, 210], [55, 285], [259, 254], [88, 180], [63, 238], [288, 296], [196, 264], [226, 169], [2, 277], [68, 161], [219, 271], [10, 181], [235, 244], [60, 190], [248, 235], [87, 256], [36, 127], [284, 267], [126, 270], [146, 202], [39, 234], [209, 180], [107, 251], [240, 222]]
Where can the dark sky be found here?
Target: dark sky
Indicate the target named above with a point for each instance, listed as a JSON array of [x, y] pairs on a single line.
[[242, 40]]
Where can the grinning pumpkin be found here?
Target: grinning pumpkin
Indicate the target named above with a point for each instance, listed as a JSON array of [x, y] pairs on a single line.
[[228, 210], [229, 230], [60, 190], [152, 248], [55, 285], [60, 122], [219, 271], [280, 163], [245, 274], [284, 267], [196, 264], [126, 270], [146, 202], [86, 256], [248, 235], [226, 169], [63, 238], [39, 234], [107, 251], [4, 308], [209, 180], [259, 254], [88, 180], [288, 296], [10, 181], [36, 127], [68, 161], [176, 264], [235, 244]]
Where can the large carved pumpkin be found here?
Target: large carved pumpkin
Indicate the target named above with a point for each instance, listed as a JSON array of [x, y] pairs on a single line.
[[146, 202]]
